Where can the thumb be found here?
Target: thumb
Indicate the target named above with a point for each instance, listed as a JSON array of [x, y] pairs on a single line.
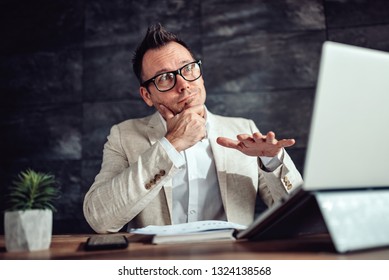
[[166, 113], [226, 142]]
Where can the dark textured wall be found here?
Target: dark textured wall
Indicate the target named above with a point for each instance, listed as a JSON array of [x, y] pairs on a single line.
[[66, 78]]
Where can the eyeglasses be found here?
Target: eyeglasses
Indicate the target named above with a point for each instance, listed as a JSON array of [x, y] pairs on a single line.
[[166, 81]]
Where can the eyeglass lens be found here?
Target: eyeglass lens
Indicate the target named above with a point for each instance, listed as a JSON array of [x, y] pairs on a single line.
[[167, 81]]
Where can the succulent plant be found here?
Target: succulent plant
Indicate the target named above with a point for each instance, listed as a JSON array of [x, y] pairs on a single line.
[[33, 190]]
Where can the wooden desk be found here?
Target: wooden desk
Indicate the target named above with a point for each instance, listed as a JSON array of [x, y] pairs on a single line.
[[71, 247]]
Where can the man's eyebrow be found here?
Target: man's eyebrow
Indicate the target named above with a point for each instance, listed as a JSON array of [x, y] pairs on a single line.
[[164, 70]]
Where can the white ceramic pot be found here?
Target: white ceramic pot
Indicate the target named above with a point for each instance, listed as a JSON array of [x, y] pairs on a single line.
[[28, 230]]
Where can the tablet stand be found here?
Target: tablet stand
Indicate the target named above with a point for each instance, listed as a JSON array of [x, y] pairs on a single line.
[[356, 219]]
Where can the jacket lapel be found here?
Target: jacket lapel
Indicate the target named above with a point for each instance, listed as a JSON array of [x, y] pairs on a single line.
[[219, 156], [155, 128]]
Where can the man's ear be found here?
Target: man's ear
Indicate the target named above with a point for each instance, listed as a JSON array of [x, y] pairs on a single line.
[[144, 93]]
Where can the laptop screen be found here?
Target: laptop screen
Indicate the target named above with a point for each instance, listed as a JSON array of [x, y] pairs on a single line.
[[348, 145]]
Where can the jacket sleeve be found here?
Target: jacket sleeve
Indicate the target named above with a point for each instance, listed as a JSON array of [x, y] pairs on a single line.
[[275, 185], [122, 190]]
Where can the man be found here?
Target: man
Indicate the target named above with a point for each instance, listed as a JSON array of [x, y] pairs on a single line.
[[180, 164]]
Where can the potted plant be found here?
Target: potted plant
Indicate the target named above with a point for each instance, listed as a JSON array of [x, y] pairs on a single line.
[[28, 220]]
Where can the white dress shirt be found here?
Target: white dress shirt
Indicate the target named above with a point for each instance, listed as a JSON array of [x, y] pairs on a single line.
[[196, 192]]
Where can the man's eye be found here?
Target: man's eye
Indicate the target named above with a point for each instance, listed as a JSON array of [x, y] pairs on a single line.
[[165, 77], [188, 68]]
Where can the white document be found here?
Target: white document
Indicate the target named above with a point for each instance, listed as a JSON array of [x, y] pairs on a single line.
[[191, 227]]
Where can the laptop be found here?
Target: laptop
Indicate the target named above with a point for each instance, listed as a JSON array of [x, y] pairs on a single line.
[[346, 172]]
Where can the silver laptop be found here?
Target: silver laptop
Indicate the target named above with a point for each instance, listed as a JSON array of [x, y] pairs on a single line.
[[349, 138], [346, 172]]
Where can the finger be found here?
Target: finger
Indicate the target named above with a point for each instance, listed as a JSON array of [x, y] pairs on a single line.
[[166, 113], [244, 137], [245, 140], [286, 142], [228, 143], [258, 137], [198, 109], [270, 137]]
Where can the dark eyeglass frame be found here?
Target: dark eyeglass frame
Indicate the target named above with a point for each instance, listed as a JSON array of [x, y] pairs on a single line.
[[175, 73]]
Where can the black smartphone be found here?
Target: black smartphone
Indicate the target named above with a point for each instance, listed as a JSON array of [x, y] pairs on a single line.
[[106, 242]]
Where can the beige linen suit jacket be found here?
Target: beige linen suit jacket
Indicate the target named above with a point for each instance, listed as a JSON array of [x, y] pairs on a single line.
[[134, 184]]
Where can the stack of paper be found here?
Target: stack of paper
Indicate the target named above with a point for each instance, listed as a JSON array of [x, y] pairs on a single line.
[[199, 231]]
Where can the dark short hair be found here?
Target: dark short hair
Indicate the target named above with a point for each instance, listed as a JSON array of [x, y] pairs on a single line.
[[156, 37]]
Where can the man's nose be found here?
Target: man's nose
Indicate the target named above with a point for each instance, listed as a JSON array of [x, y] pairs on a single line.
[[181, 83]]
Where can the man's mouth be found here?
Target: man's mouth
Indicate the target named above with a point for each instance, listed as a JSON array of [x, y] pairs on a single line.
[[185, 104], [187, 100]]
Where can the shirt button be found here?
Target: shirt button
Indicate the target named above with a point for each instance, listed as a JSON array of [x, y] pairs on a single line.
[[162, 172], [148, 186], [192, 212]]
